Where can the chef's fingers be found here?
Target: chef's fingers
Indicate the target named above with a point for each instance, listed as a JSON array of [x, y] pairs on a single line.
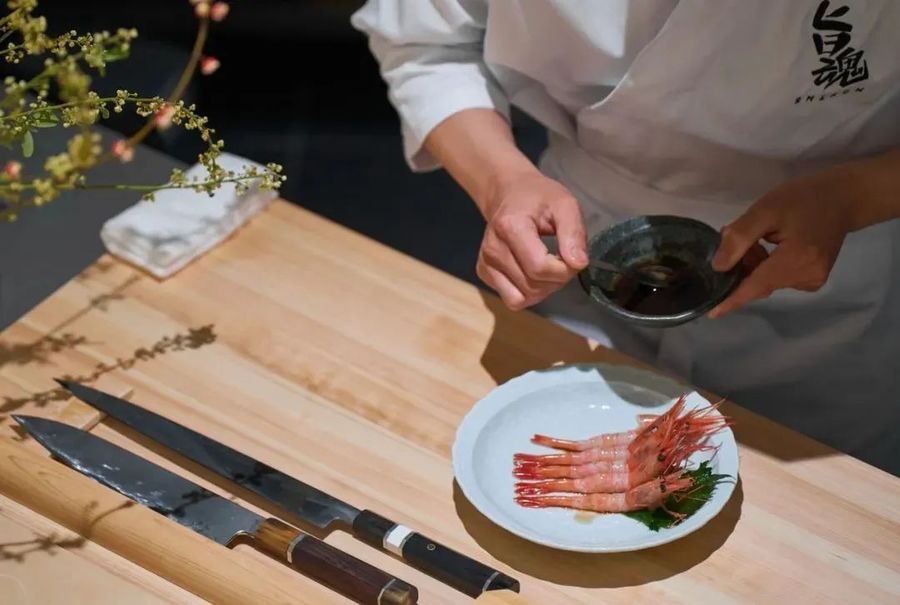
[[740, 236], [497, 256], [754, 258], [520, 234], [765, 279], [570, 233], [511, 296], [503, 261]]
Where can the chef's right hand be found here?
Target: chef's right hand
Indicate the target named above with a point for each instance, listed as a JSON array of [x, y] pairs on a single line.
[[513, 259]]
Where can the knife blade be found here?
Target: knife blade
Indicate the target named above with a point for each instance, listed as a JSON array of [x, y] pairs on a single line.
[[307, 502], [213, 516]]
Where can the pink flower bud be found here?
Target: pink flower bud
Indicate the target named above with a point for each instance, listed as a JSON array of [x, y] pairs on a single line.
[[202, 10], [12, 170], [163, 118], [122, 150], [219, 11], [209, 65]]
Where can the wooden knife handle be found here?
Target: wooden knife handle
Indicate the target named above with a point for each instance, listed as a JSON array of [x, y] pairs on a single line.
[[342, 572], [450, 567]]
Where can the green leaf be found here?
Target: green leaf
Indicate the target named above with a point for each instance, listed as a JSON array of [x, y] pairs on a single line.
[[704, 485], [46, 120], [114, 54], [27, 144]]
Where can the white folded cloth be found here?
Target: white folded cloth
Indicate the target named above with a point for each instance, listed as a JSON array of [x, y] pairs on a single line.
[[166, 234]]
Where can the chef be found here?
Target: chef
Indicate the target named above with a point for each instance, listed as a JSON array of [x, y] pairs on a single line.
[[776, 122]]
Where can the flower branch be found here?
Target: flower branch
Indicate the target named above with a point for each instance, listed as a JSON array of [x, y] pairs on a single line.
[[69, 58]]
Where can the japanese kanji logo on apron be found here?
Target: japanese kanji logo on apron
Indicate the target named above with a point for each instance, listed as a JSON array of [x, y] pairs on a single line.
[[840, 63]]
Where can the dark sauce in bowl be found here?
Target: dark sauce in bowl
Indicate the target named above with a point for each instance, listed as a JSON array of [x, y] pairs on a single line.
[[687, 291]]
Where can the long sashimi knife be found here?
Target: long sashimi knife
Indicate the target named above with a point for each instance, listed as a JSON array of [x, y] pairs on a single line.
[[312, 505], [213, 516]]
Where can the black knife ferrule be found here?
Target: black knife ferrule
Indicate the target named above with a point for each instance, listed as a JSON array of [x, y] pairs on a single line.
[[454, 569], [372, 528]]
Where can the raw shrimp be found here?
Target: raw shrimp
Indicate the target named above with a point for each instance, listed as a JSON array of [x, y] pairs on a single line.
[[651, 495], [536, 470], [660, 447], [592, 484], [669, 427], [606, 440], [608, 476], [642, 442], [596, 454], [695, 424]]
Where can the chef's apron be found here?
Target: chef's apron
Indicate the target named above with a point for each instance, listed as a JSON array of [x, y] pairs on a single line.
[[728, 100]]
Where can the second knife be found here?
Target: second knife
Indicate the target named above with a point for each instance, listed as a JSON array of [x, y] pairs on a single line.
[[301, 499], [213, 516]]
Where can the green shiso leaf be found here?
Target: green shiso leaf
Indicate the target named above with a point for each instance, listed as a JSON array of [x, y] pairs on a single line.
[[686, 504]]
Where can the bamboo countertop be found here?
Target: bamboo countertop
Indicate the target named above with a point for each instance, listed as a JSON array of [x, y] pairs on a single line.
[[349, 365]]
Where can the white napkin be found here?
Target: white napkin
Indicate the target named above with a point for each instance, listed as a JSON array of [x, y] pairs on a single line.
[[166, 234]]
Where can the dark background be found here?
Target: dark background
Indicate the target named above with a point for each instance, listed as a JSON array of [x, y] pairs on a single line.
[[297, 86]]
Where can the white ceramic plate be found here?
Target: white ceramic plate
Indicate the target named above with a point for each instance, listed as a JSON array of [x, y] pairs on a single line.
[[572, 402]]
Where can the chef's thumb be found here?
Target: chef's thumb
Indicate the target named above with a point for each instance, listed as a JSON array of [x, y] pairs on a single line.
[[738, 238], [571, 236]]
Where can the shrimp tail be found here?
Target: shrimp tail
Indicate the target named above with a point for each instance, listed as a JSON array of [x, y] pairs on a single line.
[[547, 486], [568, 458], [544, 459], [562, 444], [606, 483], [561, 501], [535, 470], [650, 495], [601, 503]]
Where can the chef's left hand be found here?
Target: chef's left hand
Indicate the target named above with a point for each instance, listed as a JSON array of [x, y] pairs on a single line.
[[807, 219]]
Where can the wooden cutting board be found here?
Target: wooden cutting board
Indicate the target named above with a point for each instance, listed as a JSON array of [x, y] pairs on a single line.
[[29, 559], [349, 365]]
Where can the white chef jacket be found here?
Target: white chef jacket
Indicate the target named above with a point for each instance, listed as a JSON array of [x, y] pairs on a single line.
[[694, 108]]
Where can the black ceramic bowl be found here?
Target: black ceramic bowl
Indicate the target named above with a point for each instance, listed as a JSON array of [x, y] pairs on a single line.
[[679, 243]]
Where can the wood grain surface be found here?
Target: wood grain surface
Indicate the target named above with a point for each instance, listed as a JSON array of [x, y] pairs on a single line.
[[349, 365]]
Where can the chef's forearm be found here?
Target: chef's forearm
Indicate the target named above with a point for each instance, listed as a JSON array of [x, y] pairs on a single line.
[[477, 148], [874, 186]]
